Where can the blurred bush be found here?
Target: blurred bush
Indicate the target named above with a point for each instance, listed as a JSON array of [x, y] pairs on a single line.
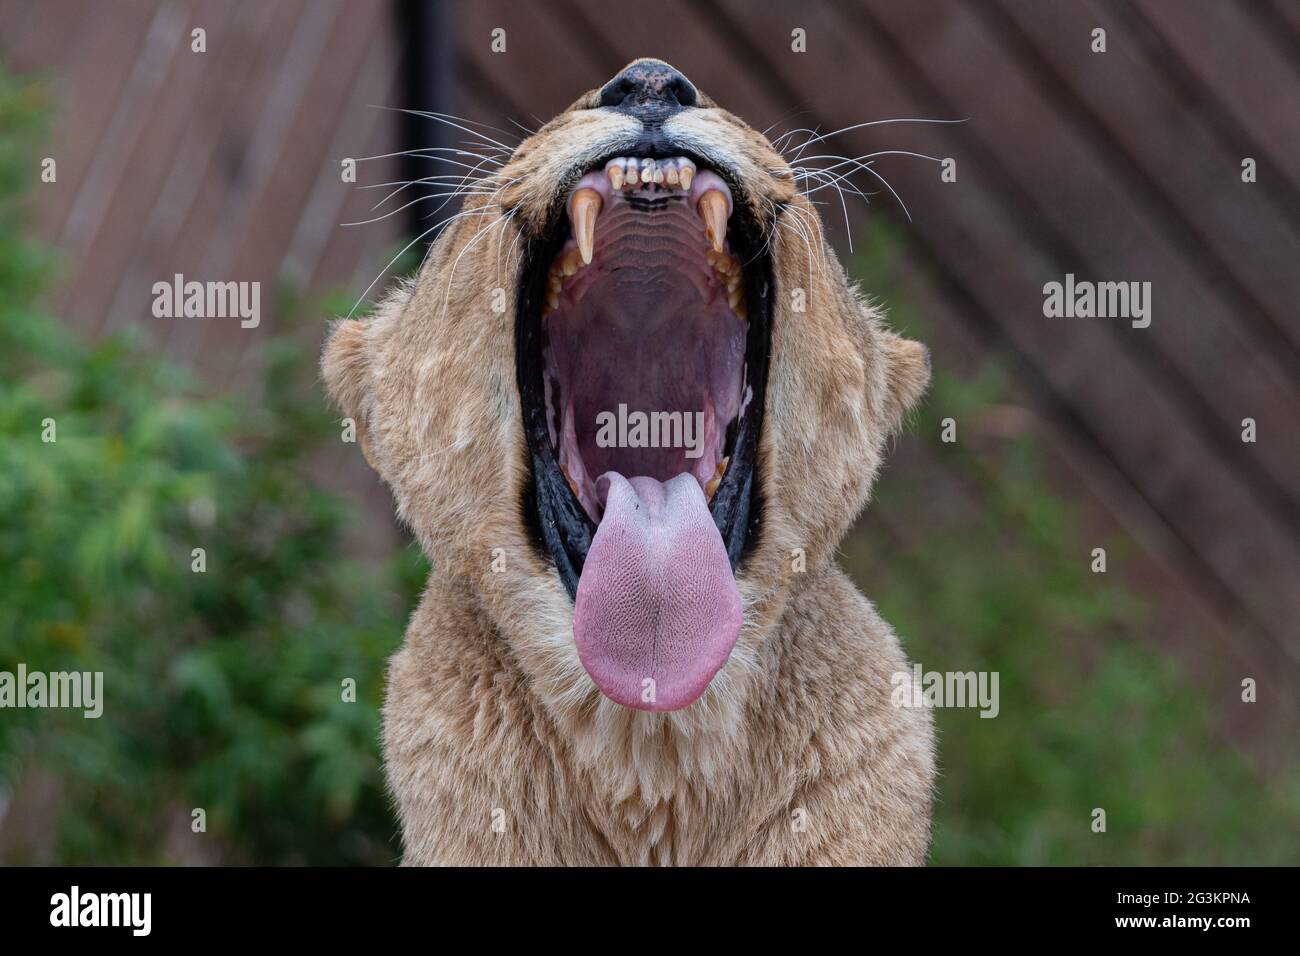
[[985, 568], [224, 688]]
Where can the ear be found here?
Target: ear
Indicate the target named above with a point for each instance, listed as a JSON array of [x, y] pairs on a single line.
[[345, 366], [907, 375]]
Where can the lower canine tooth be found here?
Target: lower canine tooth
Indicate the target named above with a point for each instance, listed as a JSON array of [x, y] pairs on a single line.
[[583, 210], [573, 486], [712, 208]]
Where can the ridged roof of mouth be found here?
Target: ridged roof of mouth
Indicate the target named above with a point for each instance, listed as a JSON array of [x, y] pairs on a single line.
[[642, 342]]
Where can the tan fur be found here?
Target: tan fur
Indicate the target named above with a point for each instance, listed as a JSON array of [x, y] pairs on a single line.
[[499, 748]]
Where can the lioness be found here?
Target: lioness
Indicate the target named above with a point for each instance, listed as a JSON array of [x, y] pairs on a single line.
[[629, 407]]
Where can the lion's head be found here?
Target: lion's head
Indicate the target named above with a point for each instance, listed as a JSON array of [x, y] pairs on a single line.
[[631, 398]]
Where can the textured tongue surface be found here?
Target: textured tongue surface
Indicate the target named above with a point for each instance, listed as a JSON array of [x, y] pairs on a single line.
[[656, 600]]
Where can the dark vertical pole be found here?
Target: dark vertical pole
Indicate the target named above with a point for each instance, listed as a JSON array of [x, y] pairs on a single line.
[[425, 30]]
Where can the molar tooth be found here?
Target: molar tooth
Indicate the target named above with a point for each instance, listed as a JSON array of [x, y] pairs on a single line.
[[583, 210], [733, 297], [712, 208], [711, 488]]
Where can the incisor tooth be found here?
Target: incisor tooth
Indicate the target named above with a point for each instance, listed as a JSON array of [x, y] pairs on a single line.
[[687, 175], [631, 173], [615, 177], [672, 176], [712, 208], [583, 212]]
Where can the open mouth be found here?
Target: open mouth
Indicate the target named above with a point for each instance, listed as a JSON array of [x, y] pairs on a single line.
[[643, 338]]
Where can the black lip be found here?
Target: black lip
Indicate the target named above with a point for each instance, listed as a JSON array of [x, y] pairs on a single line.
[[557, 523]]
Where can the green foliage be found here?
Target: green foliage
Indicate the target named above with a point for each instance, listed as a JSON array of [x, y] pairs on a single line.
[[223, 689], [1091, 715]]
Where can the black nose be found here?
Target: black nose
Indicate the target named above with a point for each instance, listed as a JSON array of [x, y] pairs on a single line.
[[651, 90]]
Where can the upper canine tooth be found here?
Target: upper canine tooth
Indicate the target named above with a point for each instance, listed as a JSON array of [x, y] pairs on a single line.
[[583, 209], [712, 208]]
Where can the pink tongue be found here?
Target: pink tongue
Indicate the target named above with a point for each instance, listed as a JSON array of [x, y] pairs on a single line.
[[658, 610]]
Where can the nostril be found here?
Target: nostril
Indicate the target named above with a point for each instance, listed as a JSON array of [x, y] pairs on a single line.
[[683, 91], [616, 91]]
